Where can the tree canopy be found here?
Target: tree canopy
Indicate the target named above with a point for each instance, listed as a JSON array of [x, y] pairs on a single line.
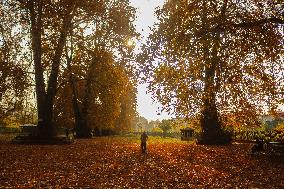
[[213, 58], [58, 37], [104, 92], [13, 67]]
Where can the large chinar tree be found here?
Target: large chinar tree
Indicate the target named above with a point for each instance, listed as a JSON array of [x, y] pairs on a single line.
[[216, 58], [55, 36], [98, 57], [50, 23]]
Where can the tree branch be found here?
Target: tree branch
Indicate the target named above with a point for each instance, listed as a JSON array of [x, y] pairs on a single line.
[[227, 26], [258, 22]]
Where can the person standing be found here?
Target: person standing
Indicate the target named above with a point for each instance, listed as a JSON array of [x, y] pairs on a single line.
[[144, 138]]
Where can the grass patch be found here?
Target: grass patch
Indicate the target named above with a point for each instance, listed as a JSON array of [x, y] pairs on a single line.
[[7, 137], [151, 139]]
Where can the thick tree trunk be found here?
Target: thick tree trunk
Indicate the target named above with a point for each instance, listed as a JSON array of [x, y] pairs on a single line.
[[36, 30], [210, 122], [52, 82], [45, 99], [211, 125]]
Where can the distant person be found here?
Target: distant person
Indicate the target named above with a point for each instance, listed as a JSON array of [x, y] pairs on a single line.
[[144, 138], [258, 147], [67, 132]]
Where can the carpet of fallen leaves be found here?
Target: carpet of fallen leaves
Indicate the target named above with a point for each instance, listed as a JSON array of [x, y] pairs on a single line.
[[117, 162]]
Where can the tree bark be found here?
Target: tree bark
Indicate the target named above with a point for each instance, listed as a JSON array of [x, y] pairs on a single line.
[[52, 82], [211, 125], [36, 30], [84, 130], [76, 107], [45, 99]]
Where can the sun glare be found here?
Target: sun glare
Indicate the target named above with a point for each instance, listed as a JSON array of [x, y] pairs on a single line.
[[131, 42]]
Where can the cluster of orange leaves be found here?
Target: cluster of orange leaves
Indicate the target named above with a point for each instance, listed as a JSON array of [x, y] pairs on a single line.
[[118, 163]]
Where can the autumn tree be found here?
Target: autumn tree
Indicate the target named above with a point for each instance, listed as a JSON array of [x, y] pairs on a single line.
[[105, 96], [212, 58], [128, 103], [49, 24], [13, 71], [102, 42]]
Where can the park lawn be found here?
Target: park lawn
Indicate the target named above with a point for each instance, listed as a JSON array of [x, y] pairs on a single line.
[[116, 162]]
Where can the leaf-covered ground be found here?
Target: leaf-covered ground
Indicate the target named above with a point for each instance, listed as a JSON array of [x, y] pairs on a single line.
[[116, 162]]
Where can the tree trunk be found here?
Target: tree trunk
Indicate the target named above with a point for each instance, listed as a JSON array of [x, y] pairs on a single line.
[[211, 125], [52, 82], [84, 130], [76, 108], [45, 99], [81, 116], [36, 30]]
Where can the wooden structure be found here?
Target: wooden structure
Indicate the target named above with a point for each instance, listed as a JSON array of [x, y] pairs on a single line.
[[28, 130], [187, 134]]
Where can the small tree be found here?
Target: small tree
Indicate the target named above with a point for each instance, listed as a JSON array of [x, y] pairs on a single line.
[[165, 125]]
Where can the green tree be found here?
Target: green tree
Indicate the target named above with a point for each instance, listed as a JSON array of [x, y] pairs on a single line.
[[166, 126], [211, 58]]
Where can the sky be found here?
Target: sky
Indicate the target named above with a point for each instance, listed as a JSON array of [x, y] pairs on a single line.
[[145, 19]]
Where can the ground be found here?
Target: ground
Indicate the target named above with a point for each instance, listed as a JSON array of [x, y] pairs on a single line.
[[116, 162]]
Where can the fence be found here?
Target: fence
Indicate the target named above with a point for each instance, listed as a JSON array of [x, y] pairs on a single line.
[[4, 130], [268, 136]]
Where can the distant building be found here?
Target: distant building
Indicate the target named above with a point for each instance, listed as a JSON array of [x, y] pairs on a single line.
[[187, 133]]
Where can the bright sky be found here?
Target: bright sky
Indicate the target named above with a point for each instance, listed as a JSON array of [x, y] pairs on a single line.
[[146, 18]]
